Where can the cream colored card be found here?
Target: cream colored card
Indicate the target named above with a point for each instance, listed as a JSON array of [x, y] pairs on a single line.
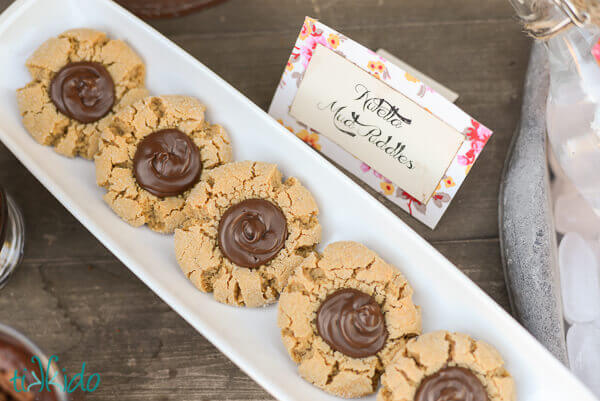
[[375, 123]]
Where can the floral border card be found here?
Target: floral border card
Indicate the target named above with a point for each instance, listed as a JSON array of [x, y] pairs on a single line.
[[316, 39]]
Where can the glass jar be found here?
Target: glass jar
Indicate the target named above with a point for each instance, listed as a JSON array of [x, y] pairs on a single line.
[[12, 236], [573, 107], [166, 8]]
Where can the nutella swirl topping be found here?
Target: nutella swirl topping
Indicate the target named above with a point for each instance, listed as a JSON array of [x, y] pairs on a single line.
[[452, 384], [83, 91], [352, 323], [252, 232], [167, 163]]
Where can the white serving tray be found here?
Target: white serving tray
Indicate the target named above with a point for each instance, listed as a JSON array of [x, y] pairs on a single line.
[[250, 337]]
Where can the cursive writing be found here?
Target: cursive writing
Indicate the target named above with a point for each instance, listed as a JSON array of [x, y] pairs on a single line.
[[381, 107], [349, 122]]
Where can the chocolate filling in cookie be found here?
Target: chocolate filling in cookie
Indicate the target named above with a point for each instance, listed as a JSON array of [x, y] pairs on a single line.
[[352, 323], [83, 91], [452, 383], [252, 232], [167, 163]]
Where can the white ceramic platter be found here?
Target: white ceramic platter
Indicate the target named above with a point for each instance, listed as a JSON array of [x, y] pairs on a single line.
[[249, 337]]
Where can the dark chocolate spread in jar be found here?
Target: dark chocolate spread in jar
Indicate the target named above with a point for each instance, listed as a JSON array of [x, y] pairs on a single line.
[[166, 8], [16, 357]]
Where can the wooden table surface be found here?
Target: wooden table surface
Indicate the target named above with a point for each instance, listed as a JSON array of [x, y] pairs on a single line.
[[76, 300]]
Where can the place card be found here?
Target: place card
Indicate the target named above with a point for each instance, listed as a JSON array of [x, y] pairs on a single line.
[[378, 121]]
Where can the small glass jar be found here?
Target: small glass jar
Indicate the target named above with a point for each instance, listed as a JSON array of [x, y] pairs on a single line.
[[166, 8], [12, 236]]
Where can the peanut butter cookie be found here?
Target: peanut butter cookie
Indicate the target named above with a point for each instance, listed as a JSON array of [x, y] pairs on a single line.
[[342, 317], [80, 78], [247, 231], [443, 366], [152, 153]]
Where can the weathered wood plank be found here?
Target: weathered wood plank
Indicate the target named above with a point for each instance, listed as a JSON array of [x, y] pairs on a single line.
[[253, 16]]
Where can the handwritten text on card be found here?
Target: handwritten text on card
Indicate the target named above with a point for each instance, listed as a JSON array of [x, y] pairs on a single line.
[[375, 123]]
